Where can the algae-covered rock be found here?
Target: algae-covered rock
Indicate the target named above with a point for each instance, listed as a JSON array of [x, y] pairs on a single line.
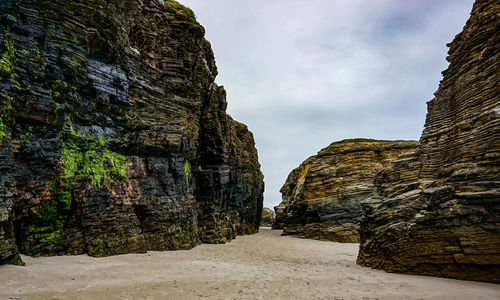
[[114, 135]]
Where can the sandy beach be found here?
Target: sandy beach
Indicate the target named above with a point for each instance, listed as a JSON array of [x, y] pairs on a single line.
[[261, 266]]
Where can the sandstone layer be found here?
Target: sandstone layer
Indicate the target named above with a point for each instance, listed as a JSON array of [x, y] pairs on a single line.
[[437, 211], [267, 217], [321, 198], [114, 136]]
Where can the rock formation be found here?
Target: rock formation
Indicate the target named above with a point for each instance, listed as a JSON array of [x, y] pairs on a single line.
[[267, 217], [321, 198], [114, 137], [437, 211]]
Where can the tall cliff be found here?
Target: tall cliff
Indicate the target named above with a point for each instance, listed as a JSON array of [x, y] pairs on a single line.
[[114, 136], [437, 211], [321, 198]]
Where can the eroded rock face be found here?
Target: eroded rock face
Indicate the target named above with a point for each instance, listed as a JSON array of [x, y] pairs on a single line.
[[117, 139], [437, 211], [267, 217], [321, 198], [230, 184]]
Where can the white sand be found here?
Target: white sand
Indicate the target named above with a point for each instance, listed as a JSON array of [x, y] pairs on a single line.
[[262, 266]]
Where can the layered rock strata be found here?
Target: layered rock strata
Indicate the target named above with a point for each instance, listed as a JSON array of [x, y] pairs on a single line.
[[267, 217], [321, 198], [437, 211], [114, 137]]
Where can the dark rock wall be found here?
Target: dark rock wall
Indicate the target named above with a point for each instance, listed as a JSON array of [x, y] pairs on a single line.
[[8, 248], [321, 198], [437, 211], [230, 183], [121, 143]]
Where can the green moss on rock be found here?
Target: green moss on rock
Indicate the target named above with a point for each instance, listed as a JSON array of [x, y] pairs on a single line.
[[187, 171], [176, 6], [44, 227], [86, 156]]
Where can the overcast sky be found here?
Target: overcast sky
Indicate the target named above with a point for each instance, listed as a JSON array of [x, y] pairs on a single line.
[[305, 73]]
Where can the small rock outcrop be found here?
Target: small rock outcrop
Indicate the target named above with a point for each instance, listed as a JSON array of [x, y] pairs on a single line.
[[437, 210], [114, 137], [267, 217], [321, 198]]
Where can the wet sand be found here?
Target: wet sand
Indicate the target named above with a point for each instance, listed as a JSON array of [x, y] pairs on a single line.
[[261, 266]]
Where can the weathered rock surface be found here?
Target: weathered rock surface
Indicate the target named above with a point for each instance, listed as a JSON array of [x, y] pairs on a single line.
[[114, 136], [267, 217], [437, 211], [321, 198]]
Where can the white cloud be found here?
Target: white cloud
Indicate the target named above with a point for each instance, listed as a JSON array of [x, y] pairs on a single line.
[[302, 74]]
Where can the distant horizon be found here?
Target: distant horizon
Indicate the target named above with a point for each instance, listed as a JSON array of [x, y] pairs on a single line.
[[303, 74]]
